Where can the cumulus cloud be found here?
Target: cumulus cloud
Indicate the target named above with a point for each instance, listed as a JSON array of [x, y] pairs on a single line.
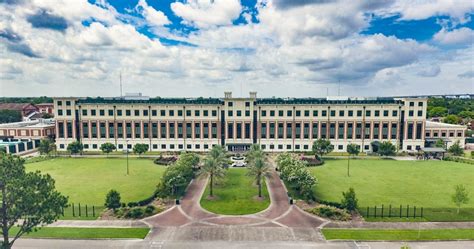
[[419, 10], [467, 74], [461, 36], [207, 13], [44, 20], [152, 16], [430, 71]]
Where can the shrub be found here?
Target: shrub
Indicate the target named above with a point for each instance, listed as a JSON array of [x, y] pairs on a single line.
[[177, 176], [349, 200], [132, 204], [165, 160], [149, 209], [331, 203], [310, 161], [135, 213], [329, 212], [112, 200], [458, 159], [296, 175]]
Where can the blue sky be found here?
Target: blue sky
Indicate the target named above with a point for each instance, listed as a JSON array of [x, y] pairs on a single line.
[[204, 47]]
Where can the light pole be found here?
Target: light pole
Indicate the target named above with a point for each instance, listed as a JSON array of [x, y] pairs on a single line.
[[127, 154]]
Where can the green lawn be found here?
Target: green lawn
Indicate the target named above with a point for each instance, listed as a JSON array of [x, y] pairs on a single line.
[[427, 184], [86, 233], [235, 195], [87, 180], [398, 235]]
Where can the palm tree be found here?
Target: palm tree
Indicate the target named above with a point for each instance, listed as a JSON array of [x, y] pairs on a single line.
[[214, 165], [352, 150], [254, 153], [214, 169], [259, 169]]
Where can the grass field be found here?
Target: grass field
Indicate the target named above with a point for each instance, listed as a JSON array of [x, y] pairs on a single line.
[[427, 184], [86, 233], [398, 235], [87, 180], [235, 195]]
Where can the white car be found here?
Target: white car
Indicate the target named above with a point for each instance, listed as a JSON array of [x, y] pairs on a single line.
[[239, 164]]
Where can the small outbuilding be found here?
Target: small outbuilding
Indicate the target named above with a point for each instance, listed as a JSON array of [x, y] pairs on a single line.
[[432, 153]]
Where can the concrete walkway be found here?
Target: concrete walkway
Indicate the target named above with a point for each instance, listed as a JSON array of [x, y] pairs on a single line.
[[99, 223]]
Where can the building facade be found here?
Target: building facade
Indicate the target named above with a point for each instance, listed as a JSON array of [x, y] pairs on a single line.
[[292, 124], [34, 129], [449, 133]]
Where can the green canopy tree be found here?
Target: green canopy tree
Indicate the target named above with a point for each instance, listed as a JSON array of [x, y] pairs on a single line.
[[140, 149], [107, 148], [75, 147], [322, 147], [437, 111], [440, 143], [386, 148], [352, 150], [452, 119], [259, 169], [112, 199], [456, 149], [46, 146], [460, 196], [28, 200]]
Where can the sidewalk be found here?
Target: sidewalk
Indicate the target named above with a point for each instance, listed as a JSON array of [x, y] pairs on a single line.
[[99, 223]]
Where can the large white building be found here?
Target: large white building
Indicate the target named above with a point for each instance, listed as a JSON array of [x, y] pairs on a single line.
[[290, 124]]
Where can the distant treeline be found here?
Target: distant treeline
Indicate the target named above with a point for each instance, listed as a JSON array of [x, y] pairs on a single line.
[[32, 100]]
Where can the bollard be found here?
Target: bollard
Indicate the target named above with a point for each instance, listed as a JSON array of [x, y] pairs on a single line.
[[73, 213], [93, 210], [87, 213], [177, 202], [79, 209], [291, 201]]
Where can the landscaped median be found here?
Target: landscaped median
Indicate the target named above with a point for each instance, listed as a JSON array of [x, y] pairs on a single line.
[[86, 233], [398, 234]]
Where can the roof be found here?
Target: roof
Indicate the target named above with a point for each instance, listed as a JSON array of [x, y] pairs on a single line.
[[157, 100], [45, 104], [302, 101], [15, 106], [37, 123], [431, 124], [433, 149]]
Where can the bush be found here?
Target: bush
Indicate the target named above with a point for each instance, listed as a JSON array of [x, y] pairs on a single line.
[[330, 203], [295, 174], [112, 200], [132, 204], [459, 159], [165, 160], [149, 209], [311, 161], [329, 212], [177, 176], [349, 200], [135, 213]]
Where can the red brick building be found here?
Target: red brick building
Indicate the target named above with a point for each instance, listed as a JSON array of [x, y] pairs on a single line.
[[45, 108], [35, 129], [24, 108]]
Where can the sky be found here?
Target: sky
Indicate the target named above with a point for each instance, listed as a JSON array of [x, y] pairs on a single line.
[[193, 48]]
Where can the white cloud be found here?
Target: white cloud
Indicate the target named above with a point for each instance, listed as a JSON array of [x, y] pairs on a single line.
[[152, 16], [419, 10], [461, 36], [429, 71], [207, 13]]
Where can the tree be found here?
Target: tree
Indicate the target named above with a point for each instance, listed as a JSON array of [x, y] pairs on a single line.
[[47, 115], [259, 169], [387, 149], [322, 147], [254, 153], [75, 147], [456, 149], [140, 148], [107, 148], [112, 200], [178, 175], [466, 114], [46, 146], [27, 199], [440, 143], [452, 119], [460, 196], [353, 150], [10, 116], [438, 111], [213, 166], [349, 200]]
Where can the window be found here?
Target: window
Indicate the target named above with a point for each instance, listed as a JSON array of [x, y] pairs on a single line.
[[94, 130], [180, 113], [340, 147], [306, 113], [420, 104], [214, 130], [385, 113], [367, 131], [263, 130], [111, 130], [306, 130], [163, 113], [198, 146], [324, 113], [247, 113], [324, 130], [163, 130], [197, 130], [127, 113], [214, 113], [205, 130], [272, 130], [60, 112], [120, 130], [280, 113], [163, 146], [205, 113], [264, 113], [410, 113], [85, 130], [384, 131], [86, 146], [359, 113], [180, 146], [376, 113], [408, 147], [137, 130], [341, 113], [230, 130], [60, 102], [350, 130], [459, 133], [264, 146], [145, 130], [288, 146], [394, 113], [247, 130], [419, 127], [84, 112], [230, 104], [189, 132], [367, 113], [154, 113], [280, 146], [155, 146], [333, 113], [111, 112], [332, 130], [298, 131], [145, 112], [410, 131], [358, 131], [188, 113], [315, 130], [340, 131], [180, 130], [103, 133], [206, 146], [350, 113], [280, 130], [289, 131], [420, 113], [412, 103], [289, 113], [247, 104], [366, 147], [239, 113], [376, 131], [272, 113], [68, 103], [154, 130], [305, 147], [68, 112], [230, 113], [315, 113], [197, 113], [137, 112], [171, 113]]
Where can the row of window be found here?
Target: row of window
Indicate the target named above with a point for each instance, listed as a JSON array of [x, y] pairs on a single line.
[[443, 134], [136, 113]]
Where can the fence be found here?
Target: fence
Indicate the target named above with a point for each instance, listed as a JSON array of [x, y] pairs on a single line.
[[81, 211], [392, 212]]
